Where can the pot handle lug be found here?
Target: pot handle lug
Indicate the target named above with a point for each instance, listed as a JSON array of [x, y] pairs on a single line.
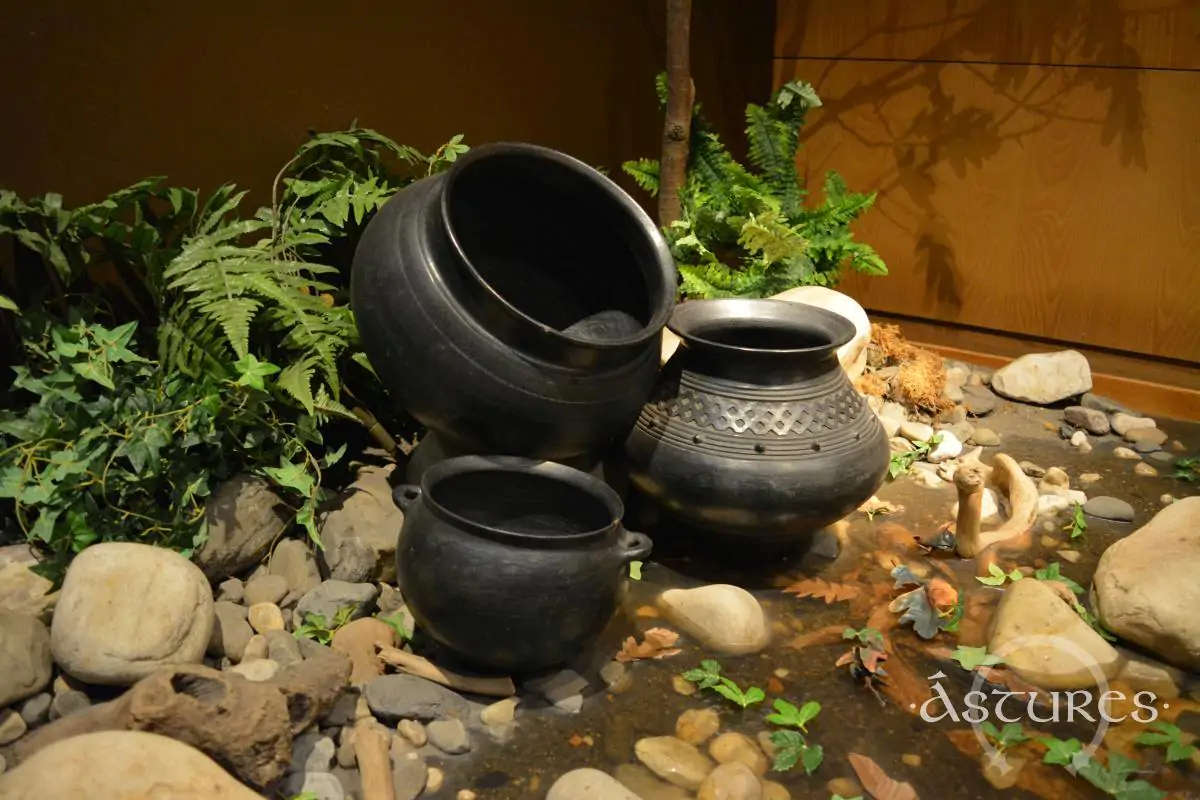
[[634, 546], [404, 496]]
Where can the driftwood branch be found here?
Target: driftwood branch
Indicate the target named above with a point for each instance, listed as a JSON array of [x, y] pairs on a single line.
[[677, 126], [372, 749], [423, 668]]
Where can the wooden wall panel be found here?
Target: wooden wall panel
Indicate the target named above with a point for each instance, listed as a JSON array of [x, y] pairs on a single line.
[[1061, 202]]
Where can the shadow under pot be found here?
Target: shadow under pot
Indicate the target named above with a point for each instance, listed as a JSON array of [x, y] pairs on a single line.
[[754, 430], [512, 564], [515, 303]]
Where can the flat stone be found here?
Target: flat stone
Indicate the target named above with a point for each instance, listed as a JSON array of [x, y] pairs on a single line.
[[1112, 508], [674, 760], [1146, 436], [979, 401], [283, 648], [1125, 452], [560, 688], [312, 752], [243, 517], [12, 726], [231, 590], [501, 712], [1088, 478], [646, 785], [1089, 419], [721, 617], [916, 431], [366, 512], [395, 697], [1146, 589], [985, 437], [1032, 470], [1161, 456], [1145, 447], [1100, 403], [1144, 675], [296, 564], [67, 703], [36, 710], [266, 589], [231, 633], [1145, 470], [589, 784], [1123, 423], [449, 735], [105, 631], [25, 660], [410, 776], [332, 596], [1044, 378]]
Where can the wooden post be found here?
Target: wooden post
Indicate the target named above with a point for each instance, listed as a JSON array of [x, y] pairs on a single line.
[[677, 127]]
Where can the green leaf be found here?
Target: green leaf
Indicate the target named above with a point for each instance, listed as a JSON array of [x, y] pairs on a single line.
[[1053, 572], [7, 304], [998, 576], [1060, 751], [98, 371], [635, 570], [811, 758], [971, 658], [789, 747], [788, 714], [251, 372], [292, 476]]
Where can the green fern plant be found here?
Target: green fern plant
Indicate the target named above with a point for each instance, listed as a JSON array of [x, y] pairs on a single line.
[[745, 230]]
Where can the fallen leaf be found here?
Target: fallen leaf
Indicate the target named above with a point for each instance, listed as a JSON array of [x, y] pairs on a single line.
[[877, 782], [775, 685], [823, 590], [942, 594], [830, 634], [656, 643]]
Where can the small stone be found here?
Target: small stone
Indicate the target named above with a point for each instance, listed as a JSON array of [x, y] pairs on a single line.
[[465, 794], [765, 743], [290, 600], [683, 686], [898, 444], [414, 731], [1145, 447], [911, 759], [342, 712], [266, 589], [12, 726], [395, 697], [846, 787], [1079, 439], [499, 713], [985, 437], [1049, 527], [1166, 499], [1051, 504], [283, 649], [955, 416], [731, 747], [1147, 435], [775, 791], [892, 416], [1145, 470], [231, 590], [434, 779], [978, 400], [1073, 556], [1066, 431], [258, 670], [351, 782], [1101, 403], [1112, 508], [391, 601], [1003, 770], [616, 676], [949, 446], [564, 689], [255, 648], [410, 775], [916, 431], [721, 617], [1049, 542], [332, 596], [1089, 419], [312, 752], [697, 725], [311, 648], [1089, 478], [588, 784], [645, 785], [1162, 456], [1125, 452], [355, 561], [1056, 476], [230, 633], [1031, 469], [1145, 675], [449, 735], [292, 560], [321, 785], [674, 760], [347, 756], [1123, 423], [36, 710], [25, 659], [732, 781], [67, 703]]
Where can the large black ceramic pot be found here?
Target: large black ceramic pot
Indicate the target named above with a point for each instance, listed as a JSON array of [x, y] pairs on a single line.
[[515, 303], [510, 563], [754, 429]]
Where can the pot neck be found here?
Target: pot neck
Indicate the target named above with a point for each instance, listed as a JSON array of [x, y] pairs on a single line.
[[758, 367]]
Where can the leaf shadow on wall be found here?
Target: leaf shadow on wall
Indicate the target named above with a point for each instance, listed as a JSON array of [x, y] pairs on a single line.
[[996, 72]]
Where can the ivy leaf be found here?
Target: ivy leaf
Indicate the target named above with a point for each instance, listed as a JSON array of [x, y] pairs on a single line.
[[971, 658], [291, 476], [251, 372], [99, 371]]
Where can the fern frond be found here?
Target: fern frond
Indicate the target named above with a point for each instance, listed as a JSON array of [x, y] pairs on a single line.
[[769, 236], [191, 343], [296, 380], [326, 407], [644, 171]]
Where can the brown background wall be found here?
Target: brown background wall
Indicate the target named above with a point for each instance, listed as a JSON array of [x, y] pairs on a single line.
[[1038, 163], [98, 95]]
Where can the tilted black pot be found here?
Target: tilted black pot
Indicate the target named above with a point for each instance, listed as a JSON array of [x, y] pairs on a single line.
[[515, 303], [754, 429], [512, 564]]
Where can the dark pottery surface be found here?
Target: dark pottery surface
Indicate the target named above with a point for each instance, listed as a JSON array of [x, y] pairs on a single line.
[[510, 563], [754, 430], [515, 303]]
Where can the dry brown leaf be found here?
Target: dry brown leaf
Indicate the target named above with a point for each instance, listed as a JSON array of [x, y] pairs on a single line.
[[874, 506], [876, 781], [823, 590], [656, 643], [774, 685], [830, 634]]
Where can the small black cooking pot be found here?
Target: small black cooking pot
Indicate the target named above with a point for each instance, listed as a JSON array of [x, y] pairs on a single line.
[[512, 564]]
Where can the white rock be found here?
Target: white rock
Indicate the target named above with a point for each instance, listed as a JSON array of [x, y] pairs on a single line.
[[722, 617], [948, 447], [1044, 378], [1126, 453], [1147, 585], [588, 784], [1046, 642], [120, 764], [916, 431], [1079, 439], [1051, 504], [127, 609]]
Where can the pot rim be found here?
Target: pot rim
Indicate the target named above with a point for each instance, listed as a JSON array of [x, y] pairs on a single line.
[[645, 226], [784, 314], [462, 465]]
